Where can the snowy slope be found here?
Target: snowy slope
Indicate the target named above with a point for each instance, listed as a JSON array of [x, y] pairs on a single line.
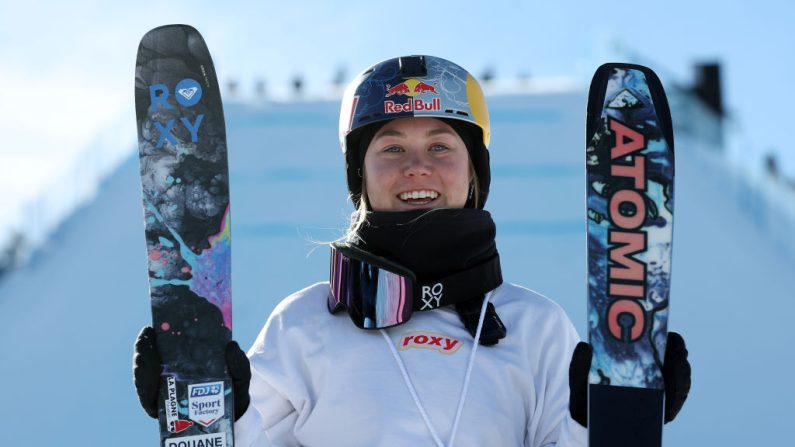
[[69, 318]]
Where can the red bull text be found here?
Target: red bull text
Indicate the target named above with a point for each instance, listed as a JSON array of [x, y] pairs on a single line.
[[412, 105], [411, 88]]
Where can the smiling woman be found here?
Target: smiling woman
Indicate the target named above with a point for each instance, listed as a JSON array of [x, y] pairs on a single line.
[[420, 264], [415, 288], [416, 163]]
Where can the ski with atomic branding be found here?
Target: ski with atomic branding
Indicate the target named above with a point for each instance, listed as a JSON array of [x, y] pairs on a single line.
[[185, 185], [629, 196]]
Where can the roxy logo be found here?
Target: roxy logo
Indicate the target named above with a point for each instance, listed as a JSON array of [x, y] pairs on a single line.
[[430, 340], [431, 296], [189, 93]]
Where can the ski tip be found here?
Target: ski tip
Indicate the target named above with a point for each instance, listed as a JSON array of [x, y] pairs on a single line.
[[605, 71], [175, 40], [596, 96], [166, 35], [170, 28], [624, 66]]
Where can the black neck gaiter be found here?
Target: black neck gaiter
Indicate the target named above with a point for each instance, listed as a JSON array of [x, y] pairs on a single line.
[[435, 244]]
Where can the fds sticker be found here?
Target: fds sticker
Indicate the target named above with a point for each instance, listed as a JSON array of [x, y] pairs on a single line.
[[206, 402]]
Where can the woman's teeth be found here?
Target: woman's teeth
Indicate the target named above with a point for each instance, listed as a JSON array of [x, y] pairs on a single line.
[[421, 194]]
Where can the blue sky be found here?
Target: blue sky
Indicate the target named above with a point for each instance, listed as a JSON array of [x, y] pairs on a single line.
[[68, 67]]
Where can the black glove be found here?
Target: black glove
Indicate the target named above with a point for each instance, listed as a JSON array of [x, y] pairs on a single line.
[[240, 371], [676, 374], [578, 382], [147, 368], [675, 371]]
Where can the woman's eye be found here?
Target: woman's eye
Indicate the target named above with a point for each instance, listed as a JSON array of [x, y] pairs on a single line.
[[393, 149], [439, 148]]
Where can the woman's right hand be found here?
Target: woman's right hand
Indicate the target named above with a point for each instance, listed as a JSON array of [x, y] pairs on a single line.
[[147, 367], [676, 373]]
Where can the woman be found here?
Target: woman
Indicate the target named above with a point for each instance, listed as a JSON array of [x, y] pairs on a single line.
[[418, 274]]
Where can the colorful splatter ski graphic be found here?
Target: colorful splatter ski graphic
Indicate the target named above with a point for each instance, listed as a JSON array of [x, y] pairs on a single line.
[[185, 185], [630, 173]]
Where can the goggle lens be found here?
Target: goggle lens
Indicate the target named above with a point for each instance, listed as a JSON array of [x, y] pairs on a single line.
[[376, 296]]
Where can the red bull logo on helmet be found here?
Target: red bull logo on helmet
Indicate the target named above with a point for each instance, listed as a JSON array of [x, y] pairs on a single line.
[[400, 89], [411, 88]]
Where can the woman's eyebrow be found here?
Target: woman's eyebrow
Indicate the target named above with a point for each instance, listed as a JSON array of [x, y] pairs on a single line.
[[397, 133], [389, 133], [440, 131]]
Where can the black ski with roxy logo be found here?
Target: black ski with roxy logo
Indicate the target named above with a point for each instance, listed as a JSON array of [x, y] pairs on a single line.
[[185, 185]]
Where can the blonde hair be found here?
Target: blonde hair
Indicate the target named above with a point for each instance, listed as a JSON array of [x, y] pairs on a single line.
[[359, 215]]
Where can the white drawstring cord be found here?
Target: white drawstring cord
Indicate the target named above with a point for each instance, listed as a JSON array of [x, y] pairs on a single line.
[[464, 388], [411, 389]]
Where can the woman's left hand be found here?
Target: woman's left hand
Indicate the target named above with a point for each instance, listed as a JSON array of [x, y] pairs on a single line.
[[675, 370]]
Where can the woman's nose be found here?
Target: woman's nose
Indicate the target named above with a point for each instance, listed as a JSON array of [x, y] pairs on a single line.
[[416, 165]]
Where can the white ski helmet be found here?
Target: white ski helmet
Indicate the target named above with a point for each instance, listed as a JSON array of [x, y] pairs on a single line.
[[414, 86]]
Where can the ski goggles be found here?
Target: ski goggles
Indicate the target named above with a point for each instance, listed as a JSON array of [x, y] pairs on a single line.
[[379, 293]]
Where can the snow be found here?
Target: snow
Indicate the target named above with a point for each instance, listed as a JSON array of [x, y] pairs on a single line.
[[70, 316]]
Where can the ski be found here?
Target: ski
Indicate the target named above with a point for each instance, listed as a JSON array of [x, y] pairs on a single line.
[[185, 188], [629, 199]]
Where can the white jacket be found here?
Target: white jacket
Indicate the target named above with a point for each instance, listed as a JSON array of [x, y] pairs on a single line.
[[318, 380]]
